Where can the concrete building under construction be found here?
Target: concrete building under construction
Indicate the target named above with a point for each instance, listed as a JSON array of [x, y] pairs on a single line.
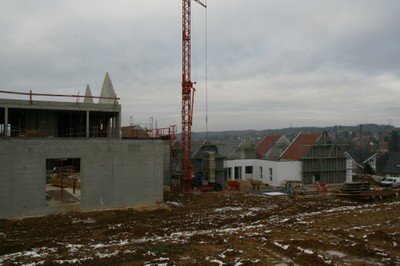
[[78, 144]]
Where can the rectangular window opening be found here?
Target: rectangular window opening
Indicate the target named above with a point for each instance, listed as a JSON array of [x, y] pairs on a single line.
[[63, 181], [238, 172]]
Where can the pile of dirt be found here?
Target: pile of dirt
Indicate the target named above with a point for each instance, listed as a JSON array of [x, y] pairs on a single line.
[[217, 228]]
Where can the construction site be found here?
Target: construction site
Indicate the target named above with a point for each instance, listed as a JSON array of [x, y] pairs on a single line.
[[77, 187]]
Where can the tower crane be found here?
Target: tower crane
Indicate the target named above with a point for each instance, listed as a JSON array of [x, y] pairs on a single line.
[[187, 95]]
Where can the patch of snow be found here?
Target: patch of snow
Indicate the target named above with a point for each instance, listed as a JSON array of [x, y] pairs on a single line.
[[238, 262], [224, 209], [89, 221], [98, 246], [32, 254], [123, 242], [306, 251], [285, 247], [275, 193], [74, 248], [247, 214], [382, 254], [174, 203], [161, 259], [220, 263], [106, 255], [336, 253], [114, 226], [222, 255]]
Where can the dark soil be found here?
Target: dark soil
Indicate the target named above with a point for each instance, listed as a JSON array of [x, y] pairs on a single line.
[[218, 228]]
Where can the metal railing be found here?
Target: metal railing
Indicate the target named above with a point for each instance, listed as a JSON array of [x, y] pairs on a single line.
[[78, 97]]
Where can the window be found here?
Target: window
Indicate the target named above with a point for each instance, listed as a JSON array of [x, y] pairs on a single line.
[[228, 173], [249, 169], [270, 174], [261, 172], [238, 172], [63, 180]]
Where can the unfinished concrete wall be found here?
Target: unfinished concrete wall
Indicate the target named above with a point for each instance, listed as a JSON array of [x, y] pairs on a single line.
[[114, 173]]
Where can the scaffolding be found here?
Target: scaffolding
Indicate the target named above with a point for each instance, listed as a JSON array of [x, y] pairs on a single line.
[[325, 162]]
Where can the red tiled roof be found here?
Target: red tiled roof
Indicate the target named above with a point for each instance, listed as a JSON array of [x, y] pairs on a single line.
[[300, 146], [384, 145], [266, 144]]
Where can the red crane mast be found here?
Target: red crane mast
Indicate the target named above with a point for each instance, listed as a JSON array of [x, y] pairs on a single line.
[[187, 95]]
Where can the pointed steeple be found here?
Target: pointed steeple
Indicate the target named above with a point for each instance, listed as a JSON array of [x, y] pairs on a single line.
[[88, 95], [107, 90]]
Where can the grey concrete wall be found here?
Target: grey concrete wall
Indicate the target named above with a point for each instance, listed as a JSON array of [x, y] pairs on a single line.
[[114, 173]]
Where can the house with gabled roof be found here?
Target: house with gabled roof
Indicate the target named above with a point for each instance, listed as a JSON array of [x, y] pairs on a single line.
[[208, 163], [392, 166], [265, 167], [359, 161], [237, 149], [271, 147], [300, 146], [322, 160], [310, 157]]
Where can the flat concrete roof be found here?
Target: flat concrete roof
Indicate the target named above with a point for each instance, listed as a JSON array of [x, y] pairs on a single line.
[[56, 105]]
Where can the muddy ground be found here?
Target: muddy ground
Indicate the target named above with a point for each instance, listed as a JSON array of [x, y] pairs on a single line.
[[218, 228]]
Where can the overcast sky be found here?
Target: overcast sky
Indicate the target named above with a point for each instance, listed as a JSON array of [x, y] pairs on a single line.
[[270, 63]]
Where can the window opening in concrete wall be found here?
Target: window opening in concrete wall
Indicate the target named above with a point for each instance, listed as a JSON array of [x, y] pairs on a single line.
[[2, 115], [63, 181], [5, 129]]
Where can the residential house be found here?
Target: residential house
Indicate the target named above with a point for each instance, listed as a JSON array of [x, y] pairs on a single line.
[[208, 163], [271, 147], [241, 163], [392, 166], [243, 149], [383, 147], [322, 160], [310, 157], [273, 173], [358, 161]]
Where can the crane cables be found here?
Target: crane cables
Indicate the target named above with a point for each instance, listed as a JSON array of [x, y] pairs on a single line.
[[206, 62], [194, 58]]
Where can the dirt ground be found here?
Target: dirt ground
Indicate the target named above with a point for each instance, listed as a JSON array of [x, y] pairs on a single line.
[[217, 228]]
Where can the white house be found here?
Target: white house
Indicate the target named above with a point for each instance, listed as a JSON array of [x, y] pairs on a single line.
[[272, 173]]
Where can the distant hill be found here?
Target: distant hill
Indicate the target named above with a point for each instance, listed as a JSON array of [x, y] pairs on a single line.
[[342, 132]]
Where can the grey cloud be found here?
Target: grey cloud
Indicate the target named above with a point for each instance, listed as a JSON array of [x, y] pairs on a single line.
[[270, 63]]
